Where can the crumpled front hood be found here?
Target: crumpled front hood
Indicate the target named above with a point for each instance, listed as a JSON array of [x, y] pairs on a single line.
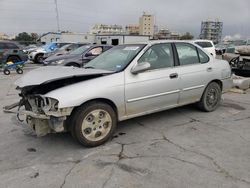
[[49, 74]]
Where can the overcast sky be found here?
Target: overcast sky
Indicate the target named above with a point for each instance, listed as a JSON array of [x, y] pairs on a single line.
[[80, 15]]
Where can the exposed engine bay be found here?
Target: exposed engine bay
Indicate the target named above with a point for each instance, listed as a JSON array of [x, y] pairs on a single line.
[[42, 113]]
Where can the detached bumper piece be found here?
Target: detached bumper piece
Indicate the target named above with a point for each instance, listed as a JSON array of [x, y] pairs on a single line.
[[43, 124]]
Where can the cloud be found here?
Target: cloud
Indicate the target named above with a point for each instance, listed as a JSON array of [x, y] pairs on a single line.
[[77, 15], [233, 37]]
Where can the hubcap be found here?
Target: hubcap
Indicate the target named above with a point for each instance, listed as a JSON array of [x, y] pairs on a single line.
[[96, 125], [40, 59], [212, 98]]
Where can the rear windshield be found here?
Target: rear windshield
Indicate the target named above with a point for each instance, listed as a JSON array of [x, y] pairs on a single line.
[[204, 44]]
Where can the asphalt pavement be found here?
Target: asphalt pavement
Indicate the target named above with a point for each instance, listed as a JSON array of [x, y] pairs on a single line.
[[177, 148]]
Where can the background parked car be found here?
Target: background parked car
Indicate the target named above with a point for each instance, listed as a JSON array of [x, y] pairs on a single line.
[[30, 48], [79, 56], [220, 49], [64, 50], [37, 55], [10, 51], [208, 45]]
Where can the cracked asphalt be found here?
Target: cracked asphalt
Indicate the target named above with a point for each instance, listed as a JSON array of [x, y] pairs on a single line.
[[182, 147]]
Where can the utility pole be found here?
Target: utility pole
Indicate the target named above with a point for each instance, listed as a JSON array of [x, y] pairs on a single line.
[[57, 17]]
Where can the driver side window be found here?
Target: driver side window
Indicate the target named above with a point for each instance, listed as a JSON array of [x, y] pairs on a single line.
[[158, 56]]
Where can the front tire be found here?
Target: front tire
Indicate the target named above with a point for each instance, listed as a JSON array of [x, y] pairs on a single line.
[[93, 123], [211, 97], [39, 58], [6, 71]]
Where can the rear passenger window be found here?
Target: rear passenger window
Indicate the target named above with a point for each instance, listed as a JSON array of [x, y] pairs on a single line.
[[203, 57], [187, 53]]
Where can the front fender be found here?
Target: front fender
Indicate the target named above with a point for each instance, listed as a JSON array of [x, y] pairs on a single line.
[[110, 87]]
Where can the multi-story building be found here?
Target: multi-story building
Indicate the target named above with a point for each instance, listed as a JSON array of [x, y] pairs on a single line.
[[211, 30], [132, 29], [3, 36], [107, 29], [146, 24], [162, 34]]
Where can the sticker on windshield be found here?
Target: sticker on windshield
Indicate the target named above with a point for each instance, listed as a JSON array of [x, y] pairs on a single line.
[[131, 48], [118, 66]]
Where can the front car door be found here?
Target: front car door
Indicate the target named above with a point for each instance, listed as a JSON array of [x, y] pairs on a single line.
[[154, 89], [195, 70]]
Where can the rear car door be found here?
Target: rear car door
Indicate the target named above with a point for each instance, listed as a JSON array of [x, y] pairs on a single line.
[[195, 70], [153, 89]]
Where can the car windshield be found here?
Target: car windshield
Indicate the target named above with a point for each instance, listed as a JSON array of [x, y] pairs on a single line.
[[80, 50], [65, 46], [117, 58], [47, 46]]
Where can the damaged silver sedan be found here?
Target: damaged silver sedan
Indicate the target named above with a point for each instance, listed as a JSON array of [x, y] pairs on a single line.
[[125, 82]]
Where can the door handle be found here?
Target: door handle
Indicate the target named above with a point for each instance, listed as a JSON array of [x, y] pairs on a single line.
[[173, 75], [209, 69]]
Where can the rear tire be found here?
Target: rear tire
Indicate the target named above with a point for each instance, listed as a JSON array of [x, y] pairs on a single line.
[[211, 97], [19, 71], [93, 123]]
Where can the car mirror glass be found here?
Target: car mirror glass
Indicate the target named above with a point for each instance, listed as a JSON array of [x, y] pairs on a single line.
[[89, 54]]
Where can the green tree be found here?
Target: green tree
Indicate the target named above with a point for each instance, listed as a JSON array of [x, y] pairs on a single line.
[[25, 38], [187, 36]]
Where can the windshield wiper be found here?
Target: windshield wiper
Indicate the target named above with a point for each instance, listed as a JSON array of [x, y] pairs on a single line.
[[89, 67]]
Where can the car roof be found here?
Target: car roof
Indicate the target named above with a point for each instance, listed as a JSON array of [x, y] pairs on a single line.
[[151, 42], [202, 40], [7, 41]]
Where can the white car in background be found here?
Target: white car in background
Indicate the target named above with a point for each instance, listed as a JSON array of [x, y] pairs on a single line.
[[208, 45]]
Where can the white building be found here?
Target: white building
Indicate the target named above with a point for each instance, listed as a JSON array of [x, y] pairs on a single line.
[[107, 29], [146, 24], [67, 37], [120, 39]]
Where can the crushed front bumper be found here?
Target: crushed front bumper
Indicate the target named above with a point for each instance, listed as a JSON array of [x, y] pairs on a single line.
[[43, 124]]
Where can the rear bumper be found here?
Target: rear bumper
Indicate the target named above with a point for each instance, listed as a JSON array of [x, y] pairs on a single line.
[[227, 84]]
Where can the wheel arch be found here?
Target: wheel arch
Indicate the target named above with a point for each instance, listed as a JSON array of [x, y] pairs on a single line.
[[104, 100], [72, 63], [13, 55], [218, 82], [40, 53]]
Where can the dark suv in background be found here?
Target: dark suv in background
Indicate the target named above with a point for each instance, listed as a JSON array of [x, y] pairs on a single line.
[[10, 51]]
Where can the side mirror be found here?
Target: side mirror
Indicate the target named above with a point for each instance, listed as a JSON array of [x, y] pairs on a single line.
[[88, 54], [141, 67], [68, 49]]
